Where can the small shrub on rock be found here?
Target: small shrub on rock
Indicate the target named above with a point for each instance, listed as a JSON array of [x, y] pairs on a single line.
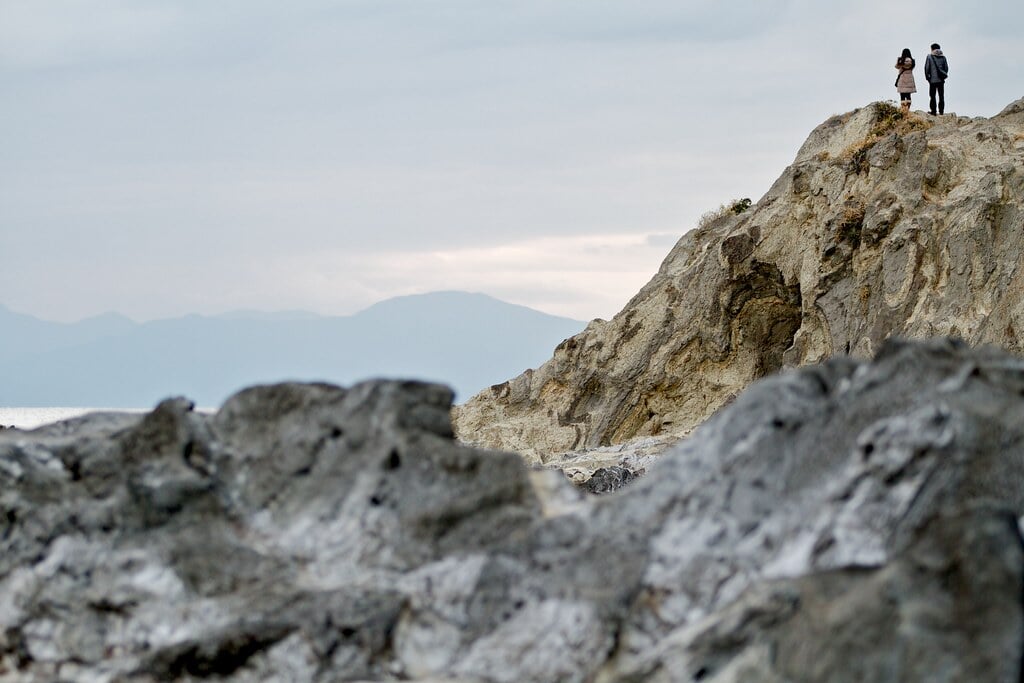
[[891, 121], [729, 208]]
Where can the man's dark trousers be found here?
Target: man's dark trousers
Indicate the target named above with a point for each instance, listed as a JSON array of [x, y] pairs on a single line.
[[939, 88]]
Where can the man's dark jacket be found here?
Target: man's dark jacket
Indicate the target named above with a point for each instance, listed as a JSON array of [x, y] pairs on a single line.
[[936, 69]]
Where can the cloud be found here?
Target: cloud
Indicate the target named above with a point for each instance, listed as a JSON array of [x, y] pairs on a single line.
[[166, 156], [565, 275], [63, 33], [662, 240]]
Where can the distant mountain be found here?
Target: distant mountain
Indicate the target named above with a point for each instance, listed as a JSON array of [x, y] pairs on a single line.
[[20, 333], [467, 341], [268, 315]]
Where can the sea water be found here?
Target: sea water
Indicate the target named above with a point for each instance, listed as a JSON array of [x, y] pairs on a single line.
[[30, 418]]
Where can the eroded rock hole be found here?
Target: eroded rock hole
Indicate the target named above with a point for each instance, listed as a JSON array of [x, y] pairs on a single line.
[[394, 460]]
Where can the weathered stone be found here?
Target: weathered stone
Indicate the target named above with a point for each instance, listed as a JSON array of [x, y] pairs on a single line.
[[846, 521], [177, 545], [922, 239], [916, 619], [608, 479]]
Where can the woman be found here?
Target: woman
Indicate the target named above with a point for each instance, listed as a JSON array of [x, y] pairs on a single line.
[[905, 81]]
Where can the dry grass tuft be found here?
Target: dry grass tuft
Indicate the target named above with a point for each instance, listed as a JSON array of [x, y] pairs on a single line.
[[891, 121], [850, 223], [736, 206], [864, 294]]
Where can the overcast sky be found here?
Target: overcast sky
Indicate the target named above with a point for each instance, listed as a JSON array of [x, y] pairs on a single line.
[[162, 157]]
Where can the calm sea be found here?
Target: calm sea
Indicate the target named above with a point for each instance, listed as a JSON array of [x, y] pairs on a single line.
[[30, 418]]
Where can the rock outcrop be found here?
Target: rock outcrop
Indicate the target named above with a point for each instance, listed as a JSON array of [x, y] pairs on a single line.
[[883, 225], [851, 520]]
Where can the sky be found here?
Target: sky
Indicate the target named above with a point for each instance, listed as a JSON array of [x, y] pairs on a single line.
[[165, 157]]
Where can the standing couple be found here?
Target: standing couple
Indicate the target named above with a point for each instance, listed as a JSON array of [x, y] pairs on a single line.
[[936, 70]]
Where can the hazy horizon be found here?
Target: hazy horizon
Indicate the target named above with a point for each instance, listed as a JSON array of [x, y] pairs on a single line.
[[273, 314]]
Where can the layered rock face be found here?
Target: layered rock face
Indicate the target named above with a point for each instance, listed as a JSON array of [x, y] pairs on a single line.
[[846, 521], [881, 226]]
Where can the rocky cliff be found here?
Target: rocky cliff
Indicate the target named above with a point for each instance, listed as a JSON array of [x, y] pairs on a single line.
[[851, 521], [883, 225]]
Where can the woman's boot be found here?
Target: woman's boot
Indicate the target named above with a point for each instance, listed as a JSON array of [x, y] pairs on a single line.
[[905, 106]]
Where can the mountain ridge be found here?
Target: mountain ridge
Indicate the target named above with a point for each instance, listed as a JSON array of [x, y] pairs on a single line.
[[467, 340]]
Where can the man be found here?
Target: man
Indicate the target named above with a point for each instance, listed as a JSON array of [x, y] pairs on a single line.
[[936, 70]]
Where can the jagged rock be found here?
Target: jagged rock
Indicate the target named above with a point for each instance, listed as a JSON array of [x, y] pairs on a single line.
[[635, 456], [265, 541], [882, 226], [823, 510], [869, 624], [847, 521], [608, 479]]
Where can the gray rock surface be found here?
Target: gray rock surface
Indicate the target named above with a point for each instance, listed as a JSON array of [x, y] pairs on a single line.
[[635, 456], [883, 225], [608, 479], [848, 521]]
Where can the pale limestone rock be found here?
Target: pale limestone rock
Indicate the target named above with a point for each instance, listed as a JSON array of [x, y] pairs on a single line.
[[918, 234]]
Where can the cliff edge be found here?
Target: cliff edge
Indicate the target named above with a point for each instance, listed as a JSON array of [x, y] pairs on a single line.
[[884, 225]]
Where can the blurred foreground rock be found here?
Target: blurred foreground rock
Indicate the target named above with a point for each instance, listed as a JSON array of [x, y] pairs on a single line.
[[850, 521]]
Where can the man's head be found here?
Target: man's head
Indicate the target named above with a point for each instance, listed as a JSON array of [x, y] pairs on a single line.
[[935, 46]]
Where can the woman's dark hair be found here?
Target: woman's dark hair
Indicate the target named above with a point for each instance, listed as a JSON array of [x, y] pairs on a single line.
[[906, 53]]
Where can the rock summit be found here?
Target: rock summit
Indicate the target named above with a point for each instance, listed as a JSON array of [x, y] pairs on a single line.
[[884, 225]]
